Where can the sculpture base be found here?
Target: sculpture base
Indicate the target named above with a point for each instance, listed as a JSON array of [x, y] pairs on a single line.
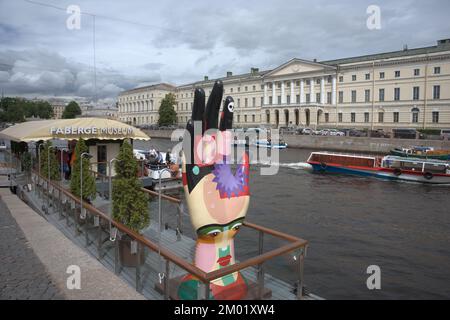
[[252, 290]]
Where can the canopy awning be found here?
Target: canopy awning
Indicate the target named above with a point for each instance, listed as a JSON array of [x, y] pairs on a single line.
[[70, 129]]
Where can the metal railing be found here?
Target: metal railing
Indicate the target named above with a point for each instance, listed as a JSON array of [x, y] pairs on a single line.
[[59, 201]]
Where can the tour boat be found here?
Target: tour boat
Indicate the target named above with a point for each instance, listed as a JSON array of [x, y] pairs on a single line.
[[388, 167], [264, 143], [421, 152]]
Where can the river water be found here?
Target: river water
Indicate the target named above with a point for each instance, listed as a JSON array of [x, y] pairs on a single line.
[[350, 223]]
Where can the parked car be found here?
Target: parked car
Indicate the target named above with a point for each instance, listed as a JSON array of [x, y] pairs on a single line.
[[325, 132], [307, 131], [335, 133], [357, 133], [379, 133], [317, 132], [403, 133], [445, 134]]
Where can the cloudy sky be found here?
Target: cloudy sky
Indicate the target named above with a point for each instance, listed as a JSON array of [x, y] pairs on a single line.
[[176, 41]]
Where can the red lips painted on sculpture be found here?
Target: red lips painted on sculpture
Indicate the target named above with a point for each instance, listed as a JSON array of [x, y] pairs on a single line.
[[224, 261]]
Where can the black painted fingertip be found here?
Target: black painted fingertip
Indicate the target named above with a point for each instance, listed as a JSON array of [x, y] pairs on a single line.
[[198, 108], [213, 106], [188, 142], [226, 119]]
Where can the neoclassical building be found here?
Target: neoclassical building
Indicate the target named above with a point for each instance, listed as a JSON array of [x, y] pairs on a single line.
[[408, 89]]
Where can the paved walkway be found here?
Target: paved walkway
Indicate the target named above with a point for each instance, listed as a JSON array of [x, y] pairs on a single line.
[[22, 274], [34, 257]]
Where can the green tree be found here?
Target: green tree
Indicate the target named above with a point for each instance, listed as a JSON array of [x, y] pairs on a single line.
[[54, 167], [130, 203], [43, 110], [167, 114], [71, 111], [89, 187]]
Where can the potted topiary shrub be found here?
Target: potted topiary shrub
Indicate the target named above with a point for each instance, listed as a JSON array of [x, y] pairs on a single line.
[[130, 204], [89, 187]]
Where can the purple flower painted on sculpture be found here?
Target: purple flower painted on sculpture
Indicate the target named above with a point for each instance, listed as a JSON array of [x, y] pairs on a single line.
[[229, 184]]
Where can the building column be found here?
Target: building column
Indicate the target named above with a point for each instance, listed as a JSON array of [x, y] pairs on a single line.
[[293, 99], [266, 98], [322, 90], [333, 90], [312, 93], [283, 94], [273, 93], [302, 91]]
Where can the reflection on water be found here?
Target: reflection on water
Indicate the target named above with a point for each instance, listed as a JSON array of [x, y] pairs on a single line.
[[351, 223]]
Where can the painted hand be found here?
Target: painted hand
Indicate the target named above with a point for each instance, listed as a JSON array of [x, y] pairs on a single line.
[[217, 198]]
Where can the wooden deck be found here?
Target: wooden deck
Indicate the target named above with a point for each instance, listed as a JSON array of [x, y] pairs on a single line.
[[154, 264]]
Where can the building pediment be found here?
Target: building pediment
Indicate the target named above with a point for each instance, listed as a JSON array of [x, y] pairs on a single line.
[[299, 66]]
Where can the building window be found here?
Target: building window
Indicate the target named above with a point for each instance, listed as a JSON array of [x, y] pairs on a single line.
[[341, 79], [329, 97], [416, 93], [353, 96], [239, 89], [231, 90], [353, 117], [270, 100], [318, 97], [308, 98], [288, 99], [254, 88], [239, 103], [253, 102], [381, 95], [367, 76], [327, 117], [246, 102], [239, 118], [396, 94], [366, 117], [297, 83], [246, 88], [253, 118], [262, 101], [367, 95], [329, 79], [397, 74], [437, 70], [436, 92], [245, 118], [279, 99], [297, 98], [288, 84], [396, 115], [435, 116], [354, 77], [279, 85], [340, 116], [381, 75], [318, 81], [308, 82], [415, 115], [416, 72], [341, 96], [380, 117]]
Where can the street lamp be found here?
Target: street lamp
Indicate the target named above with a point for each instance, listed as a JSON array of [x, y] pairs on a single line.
[[110, 189], [88, 156]]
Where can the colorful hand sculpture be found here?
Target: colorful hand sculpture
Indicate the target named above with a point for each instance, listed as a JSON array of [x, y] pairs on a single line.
[[217, 198]]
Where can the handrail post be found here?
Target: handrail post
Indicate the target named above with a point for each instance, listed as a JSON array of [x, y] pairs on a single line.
[[138, 267], [86, 228], [300, 283], [116, 256], [260, 274], [207, 290], [166, 281], [99, 238], [179, 221]]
